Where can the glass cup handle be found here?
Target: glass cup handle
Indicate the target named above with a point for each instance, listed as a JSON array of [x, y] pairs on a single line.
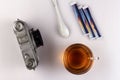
[[94, 58]]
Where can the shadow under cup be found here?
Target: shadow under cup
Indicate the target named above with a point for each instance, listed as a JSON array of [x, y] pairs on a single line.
[[78, 59]]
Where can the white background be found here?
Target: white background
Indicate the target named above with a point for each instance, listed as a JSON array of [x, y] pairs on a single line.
[[41, 14]]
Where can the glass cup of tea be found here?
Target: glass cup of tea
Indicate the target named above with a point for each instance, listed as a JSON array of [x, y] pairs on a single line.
[[78, 59]]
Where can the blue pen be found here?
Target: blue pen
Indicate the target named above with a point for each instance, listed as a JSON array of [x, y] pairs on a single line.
[[91, 21], [85, 21], [79, 18]]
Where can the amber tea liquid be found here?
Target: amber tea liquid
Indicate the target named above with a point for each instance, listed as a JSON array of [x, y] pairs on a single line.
[[77, 59]]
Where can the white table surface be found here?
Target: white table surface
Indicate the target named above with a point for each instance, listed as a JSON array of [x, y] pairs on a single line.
[[41, 14]]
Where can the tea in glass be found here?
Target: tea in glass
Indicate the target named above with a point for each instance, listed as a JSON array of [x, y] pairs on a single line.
[[78, 59]]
